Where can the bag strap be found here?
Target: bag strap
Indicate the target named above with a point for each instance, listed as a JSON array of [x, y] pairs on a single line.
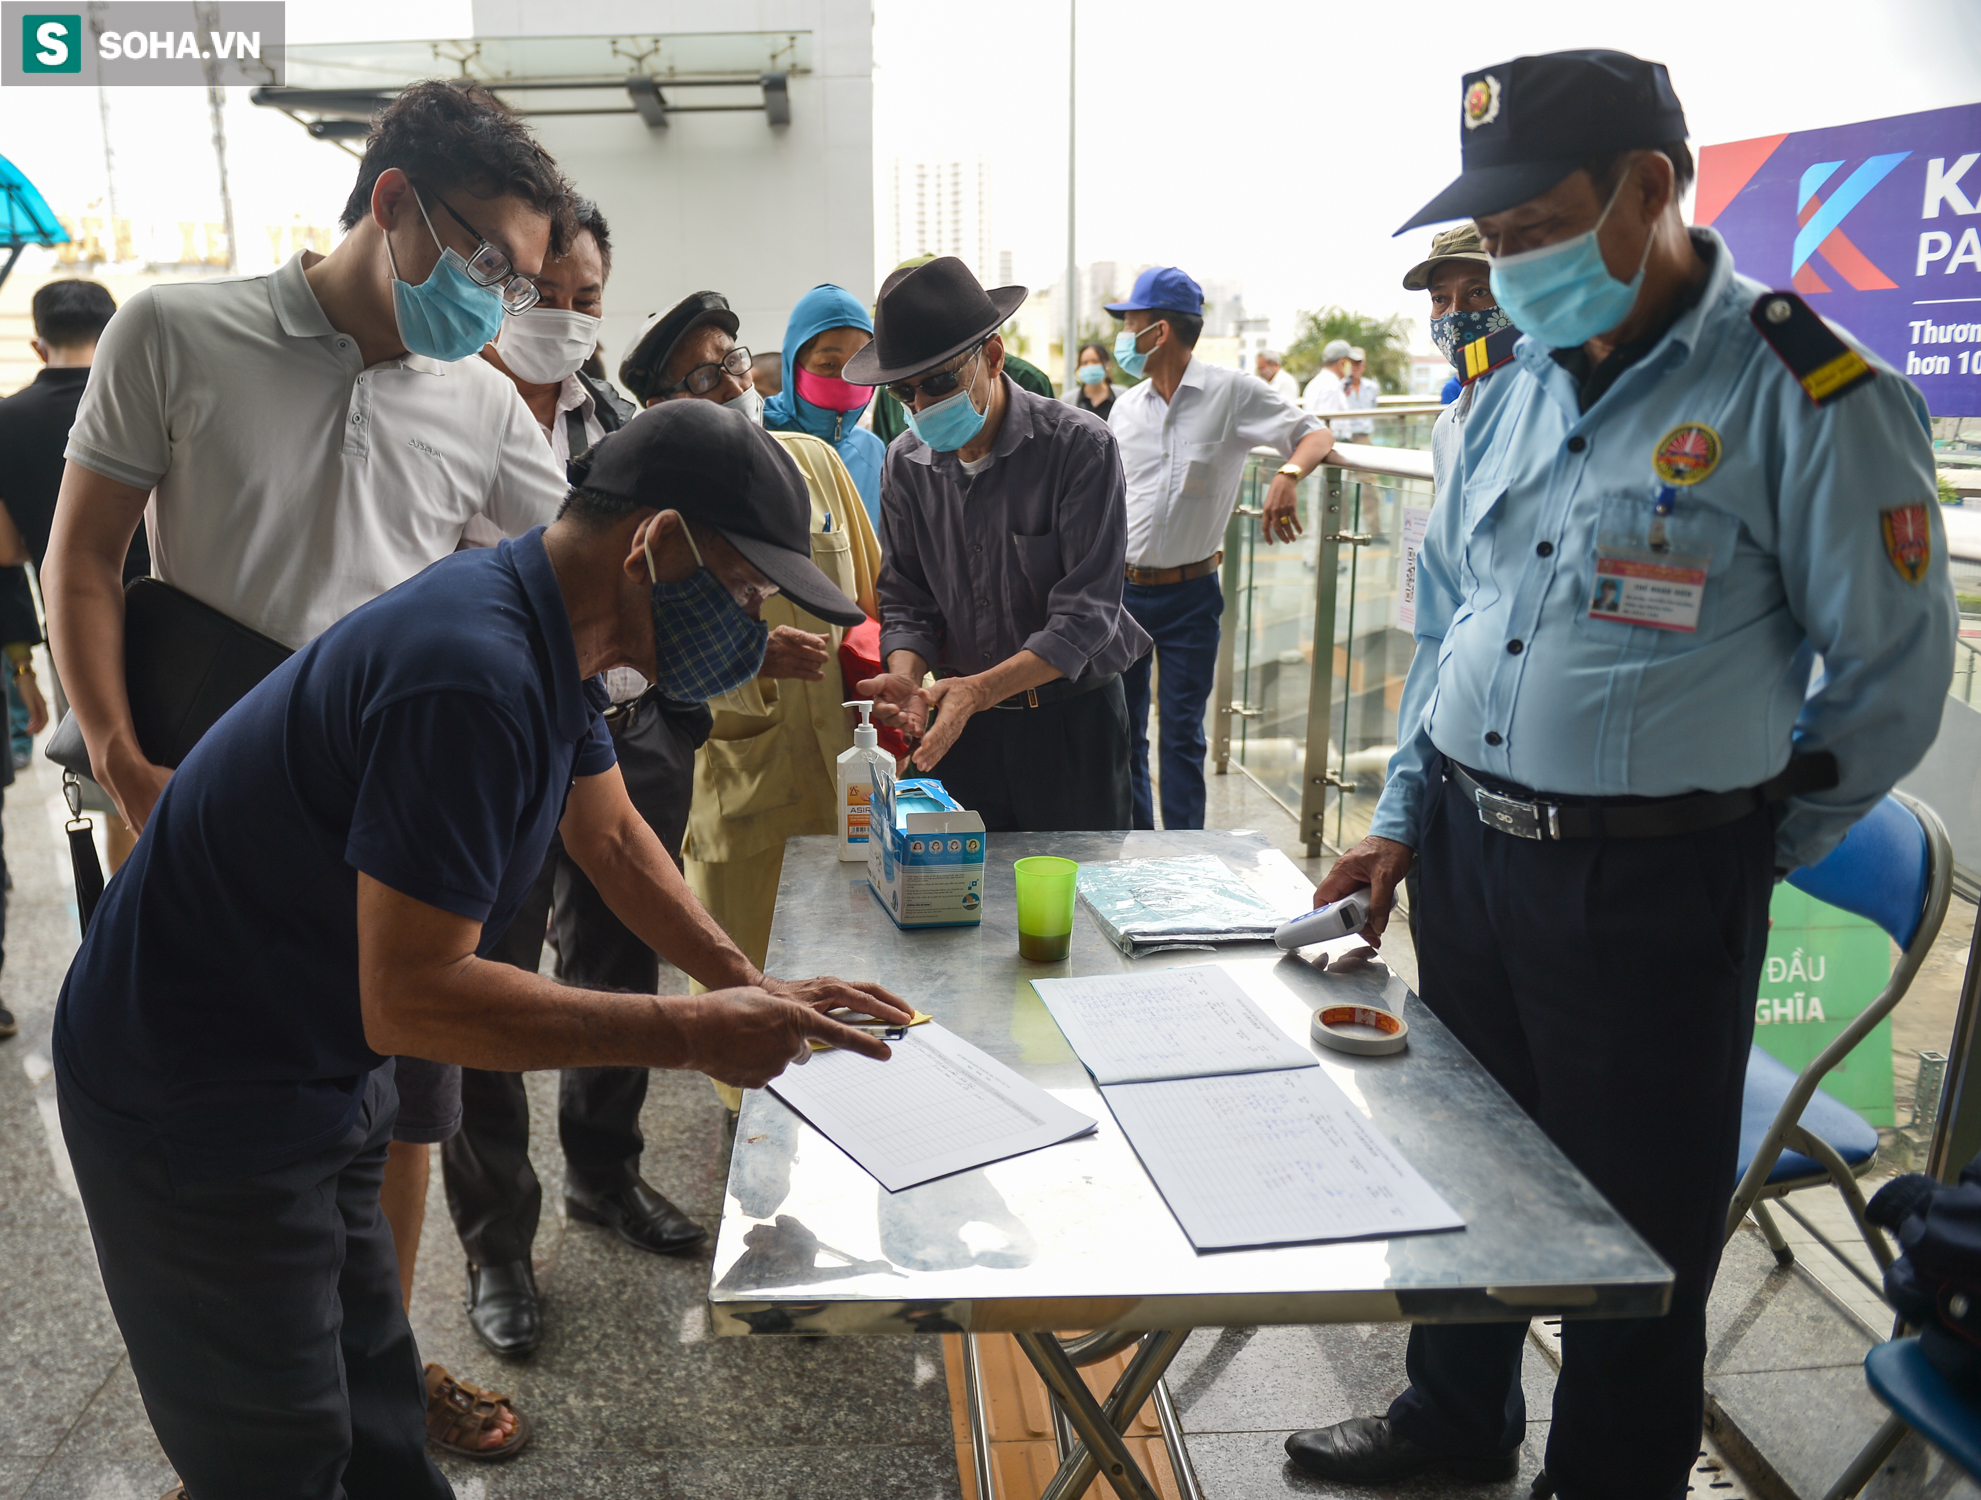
[[82, 852]]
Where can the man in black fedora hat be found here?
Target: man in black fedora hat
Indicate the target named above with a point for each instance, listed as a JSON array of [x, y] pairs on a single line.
[[1003, 543]]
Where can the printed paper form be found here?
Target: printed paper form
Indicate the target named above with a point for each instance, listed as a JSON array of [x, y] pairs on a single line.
[[938, 1106], [1272, 1159], [1167, 1023]]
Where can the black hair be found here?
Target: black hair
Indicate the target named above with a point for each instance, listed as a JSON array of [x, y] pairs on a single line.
[[1099, 348], [595, 511], [453, 133], [585, 215], [1187, 327], [1605, 170], [71, 312]]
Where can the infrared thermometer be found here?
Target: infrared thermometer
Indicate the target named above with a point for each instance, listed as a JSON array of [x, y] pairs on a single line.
[[1338, 919]]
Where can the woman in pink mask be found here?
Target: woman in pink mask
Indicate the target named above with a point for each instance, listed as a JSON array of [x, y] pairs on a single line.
[[827, 327]]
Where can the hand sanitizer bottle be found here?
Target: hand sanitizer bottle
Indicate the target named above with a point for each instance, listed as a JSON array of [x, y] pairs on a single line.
[[856, 783]]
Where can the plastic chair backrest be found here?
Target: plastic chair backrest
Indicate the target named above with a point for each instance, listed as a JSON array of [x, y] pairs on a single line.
[[1879, 871]]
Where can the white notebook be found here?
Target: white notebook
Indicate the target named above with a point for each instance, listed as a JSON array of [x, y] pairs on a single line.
[[937, 1106], [1153, 1024], [1273, 1159]]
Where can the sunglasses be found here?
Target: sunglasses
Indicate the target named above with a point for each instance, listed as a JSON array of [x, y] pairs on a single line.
[[935, 387]]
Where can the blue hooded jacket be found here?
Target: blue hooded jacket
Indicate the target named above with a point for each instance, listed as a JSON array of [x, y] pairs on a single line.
[[821, 308]]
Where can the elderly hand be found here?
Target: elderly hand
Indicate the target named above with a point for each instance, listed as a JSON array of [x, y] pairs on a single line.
[[960, 699], [824, 993], [898, 702], [796, 654], [1281, 520], [1378, 863], [745, 1037]]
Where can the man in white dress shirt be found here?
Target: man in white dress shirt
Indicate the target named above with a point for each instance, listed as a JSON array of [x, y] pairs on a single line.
[[1184, 434], [1325, 394], [1271, 365], [1359, 393]]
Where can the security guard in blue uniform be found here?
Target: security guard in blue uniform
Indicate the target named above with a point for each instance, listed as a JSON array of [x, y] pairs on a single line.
[[1684, 490]]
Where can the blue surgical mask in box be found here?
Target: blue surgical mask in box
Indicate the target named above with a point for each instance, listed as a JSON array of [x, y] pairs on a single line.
[[925, 853]]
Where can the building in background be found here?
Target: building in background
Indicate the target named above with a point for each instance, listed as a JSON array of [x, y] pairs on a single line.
[[942, 207]]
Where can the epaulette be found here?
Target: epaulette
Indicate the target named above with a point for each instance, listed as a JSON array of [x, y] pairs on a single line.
[[1488, 353], [1822, 364]]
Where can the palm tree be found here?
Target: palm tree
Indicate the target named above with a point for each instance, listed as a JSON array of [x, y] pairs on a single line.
[[1384, 339]]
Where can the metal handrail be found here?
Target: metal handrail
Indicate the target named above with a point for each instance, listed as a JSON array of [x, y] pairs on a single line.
[[1367, 458]]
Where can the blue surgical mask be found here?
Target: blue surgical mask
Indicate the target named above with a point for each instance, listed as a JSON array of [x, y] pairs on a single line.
[[1452, 332], [952, 422], [704, 644], [1092, 374], [1563, 294], [449, 316], [1127, 355]]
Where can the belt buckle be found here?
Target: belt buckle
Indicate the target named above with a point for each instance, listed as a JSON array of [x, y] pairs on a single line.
[[1523, 820]]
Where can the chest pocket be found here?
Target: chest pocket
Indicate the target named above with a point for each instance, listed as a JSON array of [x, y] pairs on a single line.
[[1199, 472], [832, 553], [1694, 529], [1478, 585]]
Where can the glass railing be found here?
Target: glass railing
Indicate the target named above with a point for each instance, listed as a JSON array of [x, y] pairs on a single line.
[[1316, 729], [1967, 664]]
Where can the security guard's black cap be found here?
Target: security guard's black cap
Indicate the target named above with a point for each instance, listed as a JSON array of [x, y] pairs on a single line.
[[717, 468], [1525, 125]]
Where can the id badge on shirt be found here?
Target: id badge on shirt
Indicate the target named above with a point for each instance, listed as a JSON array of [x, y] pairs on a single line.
[[1638, 586]]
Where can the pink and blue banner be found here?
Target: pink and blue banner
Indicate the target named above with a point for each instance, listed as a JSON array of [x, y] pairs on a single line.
[[1878, 226]]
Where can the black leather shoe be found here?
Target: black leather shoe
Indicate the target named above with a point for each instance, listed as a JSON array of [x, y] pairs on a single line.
[[641, 1217], [1543, 1487], [1365, 1450], [8, 1025], [503, 1308]]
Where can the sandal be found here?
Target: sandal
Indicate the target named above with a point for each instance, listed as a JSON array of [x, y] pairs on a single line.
[[458, 1412]]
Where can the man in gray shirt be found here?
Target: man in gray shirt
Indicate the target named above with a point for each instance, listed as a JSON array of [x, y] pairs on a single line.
[[1003, 547]]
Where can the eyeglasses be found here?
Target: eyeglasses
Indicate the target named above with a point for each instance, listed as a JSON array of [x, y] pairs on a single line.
[[489, 267], [705, 378], [936, 386]]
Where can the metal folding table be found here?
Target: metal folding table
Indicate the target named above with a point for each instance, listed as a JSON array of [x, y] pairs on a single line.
[[1076, 1236]]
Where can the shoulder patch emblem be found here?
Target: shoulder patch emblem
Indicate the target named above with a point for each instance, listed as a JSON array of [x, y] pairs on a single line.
[[1908, 540], [1822, 364], [1686, 454], [1488, 353]]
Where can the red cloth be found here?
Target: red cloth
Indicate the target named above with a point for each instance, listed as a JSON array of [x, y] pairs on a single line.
[[859, 659]]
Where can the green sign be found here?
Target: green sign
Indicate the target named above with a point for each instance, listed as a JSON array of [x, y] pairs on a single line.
[[51, 44], [1824, 966]]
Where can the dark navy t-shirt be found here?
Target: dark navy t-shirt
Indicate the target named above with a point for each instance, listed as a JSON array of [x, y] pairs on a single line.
[[429, 739]]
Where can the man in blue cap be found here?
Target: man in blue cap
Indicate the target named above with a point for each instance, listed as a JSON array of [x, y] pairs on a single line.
[[1683, 489], [1184, 435]]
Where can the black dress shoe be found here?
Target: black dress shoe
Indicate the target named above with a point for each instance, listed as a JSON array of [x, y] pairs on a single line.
[[641, 1217], [1543, 1487], [8, 1025], [1366, 1450], [503, 1308]]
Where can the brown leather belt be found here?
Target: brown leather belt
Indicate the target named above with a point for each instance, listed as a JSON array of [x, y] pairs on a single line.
[[1184, 574]]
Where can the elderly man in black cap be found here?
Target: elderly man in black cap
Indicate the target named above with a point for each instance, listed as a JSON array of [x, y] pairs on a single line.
[[375, 812], [1003, 543], [1682, 486]]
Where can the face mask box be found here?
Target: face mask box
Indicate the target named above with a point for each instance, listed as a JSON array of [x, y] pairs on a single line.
[[925, 853]]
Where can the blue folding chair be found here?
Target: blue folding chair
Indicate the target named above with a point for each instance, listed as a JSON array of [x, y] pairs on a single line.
[[1895, 867], [1922, 1401]]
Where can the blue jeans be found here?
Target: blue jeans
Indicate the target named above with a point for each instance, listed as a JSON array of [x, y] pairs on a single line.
[[1183, 620]]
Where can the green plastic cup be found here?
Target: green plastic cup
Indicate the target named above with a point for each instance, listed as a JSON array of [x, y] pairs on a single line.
[[1045, 907]]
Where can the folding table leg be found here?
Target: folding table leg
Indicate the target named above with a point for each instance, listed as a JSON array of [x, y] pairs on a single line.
[[1100, 1427]]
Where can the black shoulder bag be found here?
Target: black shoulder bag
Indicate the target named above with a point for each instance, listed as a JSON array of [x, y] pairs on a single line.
[[185, 664]]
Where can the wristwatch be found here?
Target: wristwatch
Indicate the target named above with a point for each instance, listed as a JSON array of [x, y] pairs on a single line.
[[1292, 471]]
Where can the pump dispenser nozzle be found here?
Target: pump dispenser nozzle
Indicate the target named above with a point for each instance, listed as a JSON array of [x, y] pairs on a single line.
[[865, 736]]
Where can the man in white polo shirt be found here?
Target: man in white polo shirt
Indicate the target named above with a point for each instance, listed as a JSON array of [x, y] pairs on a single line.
[[309, 439], [1184, 434]]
